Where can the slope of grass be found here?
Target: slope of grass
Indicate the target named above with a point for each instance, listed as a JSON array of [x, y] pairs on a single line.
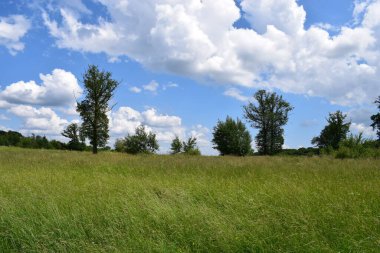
[[56, 201]]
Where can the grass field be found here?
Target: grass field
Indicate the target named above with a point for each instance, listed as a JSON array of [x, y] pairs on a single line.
[[56, 201]]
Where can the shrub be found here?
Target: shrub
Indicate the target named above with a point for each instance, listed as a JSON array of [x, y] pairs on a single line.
[[232, 138], [140, 142], [176, 146], [355, 146], [188, 148]]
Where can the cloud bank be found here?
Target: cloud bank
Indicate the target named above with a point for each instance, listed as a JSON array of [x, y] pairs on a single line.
[[199, 39]]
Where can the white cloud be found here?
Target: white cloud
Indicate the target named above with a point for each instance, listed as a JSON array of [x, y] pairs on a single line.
[[362, 115], [152, 86], [197, 39], [361, 121], [43, 121], [12, 29], [235, 93], [57, 89], [285, 15], [4, 104], [360, 7], [202, 134], [152, 119], [125, 120], [70, 110], [362, 128], [135, 89]]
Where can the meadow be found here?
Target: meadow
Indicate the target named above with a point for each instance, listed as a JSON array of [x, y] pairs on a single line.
[[61, 201]]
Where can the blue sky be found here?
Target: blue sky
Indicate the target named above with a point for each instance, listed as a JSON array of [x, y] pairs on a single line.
[[185, 64]]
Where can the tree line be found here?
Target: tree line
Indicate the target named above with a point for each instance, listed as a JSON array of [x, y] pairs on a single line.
[[268, 113]]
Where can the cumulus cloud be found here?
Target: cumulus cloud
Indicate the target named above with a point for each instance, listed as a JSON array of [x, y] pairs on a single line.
[[361, 121], [4, 104], [43, 121], [125, 120], [362, 128], [286, 15], [57, 89], [362, 115], [12, 29], [198, 39]]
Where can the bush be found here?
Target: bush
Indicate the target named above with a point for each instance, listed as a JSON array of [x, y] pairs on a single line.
[[232, 138], [300, 152], [119, 145], [139, 143], [176, 146], [356, 146], [188, 148], [194, 152]]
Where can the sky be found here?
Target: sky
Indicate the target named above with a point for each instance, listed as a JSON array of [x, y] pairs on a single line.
[[185, 64]]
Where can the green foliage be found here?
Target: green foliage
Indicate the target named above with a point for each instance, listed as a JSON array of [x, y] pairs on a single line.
[[12, 138], [335, 131], [355, 146], [53, 201], [176, 146], [269, 116], [190, 147], [99, 89], [376, 120], [300, 152], [74, 133], [120, 145], [232, 138], [139, 143]]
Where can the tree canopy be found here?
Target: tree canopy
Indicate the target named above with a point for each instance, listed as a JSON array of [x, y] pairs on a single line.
[[74, 133], [269, 115], [334, 132], [176, 146], [99, 89], [140, 142], [231, 137]]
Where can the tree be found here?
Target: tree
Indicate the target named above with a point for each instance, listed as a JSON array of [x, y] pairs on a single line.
[[99, 89], [190, 147], [269, 116], [141, 142], [334, 132], [232, 138], [10, 138], [74, 133], [376, 120], [119, 145], [176, 146]]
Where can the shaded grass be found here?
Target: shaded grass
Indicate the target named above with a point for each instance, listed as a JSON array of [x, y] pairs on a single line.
[[56, 201]]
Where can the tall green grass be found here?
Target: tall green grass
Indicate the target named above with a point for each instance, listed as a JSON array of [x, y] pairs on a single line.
[[57, 201]]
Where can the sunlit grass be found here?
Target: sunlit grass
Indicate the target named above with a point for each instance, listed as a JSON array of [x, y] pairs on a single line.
[[56, 201]]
